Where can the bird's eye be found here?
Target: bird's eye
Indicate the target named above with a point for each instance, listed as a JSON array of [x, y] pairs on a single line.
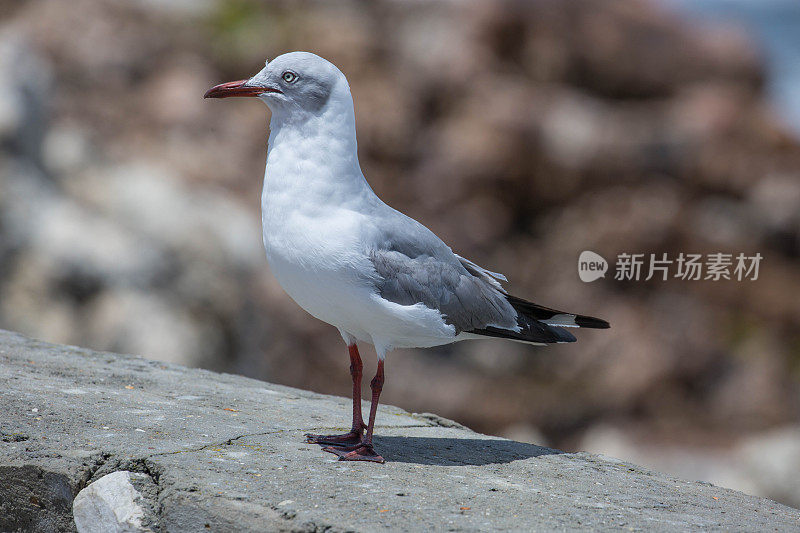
[[289, 76]]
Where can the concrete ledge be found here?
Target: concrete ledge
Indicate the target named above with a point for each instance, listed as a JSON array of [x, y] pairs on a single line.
[[226, 453]]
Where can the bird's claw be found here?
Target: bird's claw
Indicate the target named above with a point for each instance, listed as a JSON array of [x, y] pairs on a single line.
[[359, 452]]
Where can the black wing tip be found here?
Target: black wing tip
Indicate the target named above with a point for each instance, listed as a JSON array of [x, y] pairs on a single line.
[[542, 313], [591, 322]]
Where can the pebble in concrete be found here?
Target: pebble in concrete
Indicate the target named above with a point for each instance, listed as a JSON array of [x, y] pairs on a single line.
[[110, 505]]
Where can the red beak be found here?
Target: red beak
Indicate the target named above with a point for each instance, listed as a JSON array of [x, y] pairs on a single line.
[[237, 88]]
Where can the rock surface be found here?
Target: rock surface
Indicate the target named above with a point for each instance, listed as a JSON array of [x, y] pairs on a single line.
[[226, 453]]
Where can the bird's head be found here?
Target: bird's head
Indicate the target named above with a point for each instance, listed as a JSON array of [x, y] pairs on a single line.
[[291, 84]]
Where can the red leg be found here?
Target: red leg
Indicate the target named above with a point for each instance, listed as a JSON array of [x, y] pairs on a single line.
[[364, 451], [353, 437]]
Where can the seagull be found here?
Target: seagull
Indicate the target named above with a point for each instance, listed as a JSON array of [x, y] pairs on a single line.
[[348, 259]]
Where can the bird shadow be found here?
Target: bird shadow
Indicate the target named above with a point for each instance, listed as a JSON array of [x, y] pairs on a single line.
[[456, 452]]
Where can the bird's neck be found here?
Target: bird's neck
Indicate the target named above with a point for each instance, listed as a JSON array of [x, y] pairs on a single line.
[[315, 160]]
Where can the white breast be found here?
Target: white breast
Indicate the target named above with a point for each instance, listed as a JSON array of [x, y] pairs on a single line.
[[312, 257]]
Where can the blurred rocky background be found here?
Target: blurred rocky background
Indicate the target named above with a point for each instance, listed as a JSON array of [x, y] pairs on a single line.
[[521, 132]]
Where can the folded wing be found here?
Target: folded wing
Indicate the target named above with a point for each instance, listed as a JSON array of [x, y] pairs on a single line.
[[468, 297]]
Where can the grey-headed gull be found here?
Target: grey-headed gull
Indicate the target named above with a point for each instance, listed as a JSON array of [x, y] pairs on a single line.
[[352, 261]]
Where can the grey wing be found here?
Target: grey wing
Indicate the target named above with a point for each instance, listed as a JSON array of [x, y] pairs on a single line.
[[466, 301], [414, 266]]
